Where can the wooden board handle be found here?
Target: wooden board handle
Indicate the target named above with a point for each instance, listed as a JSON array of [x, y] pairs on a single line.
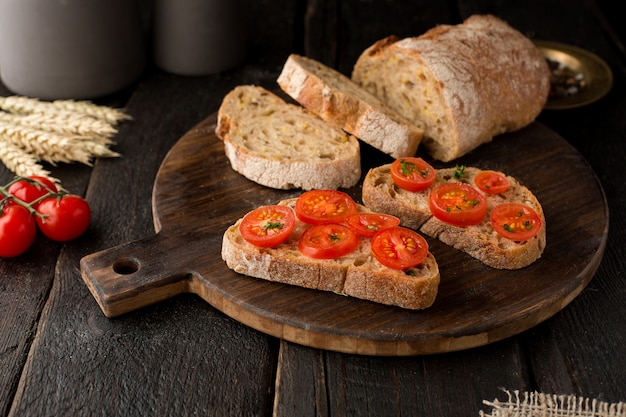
[[135, 275]]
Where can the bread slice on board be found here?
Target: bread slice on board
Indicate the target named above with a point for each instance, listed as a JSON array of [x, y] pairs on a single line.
[[341, 102], [358, 274], [462, 84], [281, 145], [480, 241]]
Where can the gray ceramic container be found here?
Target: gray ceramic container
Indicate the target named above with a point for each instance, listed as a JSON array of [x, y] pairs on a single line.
[[199, 37], [70, 49]]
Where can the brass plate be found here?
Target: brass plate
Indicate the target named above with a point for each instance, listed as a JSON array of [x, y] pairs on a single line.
[[596, 72]]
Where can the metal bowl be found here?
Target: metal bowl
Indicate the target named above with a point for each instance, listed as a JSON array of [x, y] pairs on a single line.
[[596, 73]]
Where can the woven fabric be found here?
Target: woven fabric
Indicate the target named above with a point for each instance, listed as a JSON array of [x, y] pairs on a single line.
[[535, 404]]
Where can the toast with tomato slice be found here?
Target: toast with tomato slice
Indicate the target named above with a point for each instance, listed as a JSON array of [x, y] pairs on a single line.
[[344, 104], [356, 274], [514, 239], [282, 145]]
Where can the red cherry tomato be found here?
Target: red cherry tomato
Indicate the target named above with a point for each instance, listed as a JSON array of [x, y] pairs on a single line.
[[268, 226], [324, 206], [457, 204], [327, 241], [399, 247], [17, 230], [412, 174], [29, 190], [515, 221], [367, 224], [491, 182], [67, 217]]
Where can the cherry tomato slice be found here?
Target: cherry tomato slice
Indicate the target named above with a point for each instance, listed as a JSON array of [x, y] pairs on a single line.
[[17, 230], [412, 174], [324, 206], [29, 190], [458, 204], [66, 217], [515, 221], [491, 182], [268, 226], [368, 224], [399, 247], [327, 241]]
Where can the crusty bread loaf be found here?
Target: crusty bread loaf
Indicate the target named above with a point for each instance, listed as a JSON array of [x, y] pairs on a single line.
[[283, 146], [357, 274], [341, 102], [462, 84], [479, 241]]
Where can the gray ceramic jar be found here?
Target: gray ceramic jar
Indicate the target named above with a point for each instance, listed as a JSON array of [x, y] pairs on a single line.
[[70, 49], [199, 37]]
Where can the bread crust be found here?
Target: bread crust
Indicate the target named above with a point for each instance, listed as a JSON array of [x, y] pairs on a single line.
[[281, 145], [479, 241], [341, 102], [358, 274], [462, 84]]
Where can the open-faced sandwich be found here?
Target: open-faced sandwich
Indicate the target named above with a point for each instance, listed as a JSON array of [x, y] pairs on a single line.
[[487, 214], [323, 240]]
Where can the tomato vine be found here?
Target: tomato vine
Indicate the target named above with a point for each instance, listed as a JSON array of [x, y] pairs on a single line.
[[28, 204]]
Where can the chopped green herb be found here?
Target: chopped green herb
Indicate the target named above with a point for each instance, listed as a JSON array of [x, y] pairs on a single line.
[[273, 225], [459, 171], [406, 167]]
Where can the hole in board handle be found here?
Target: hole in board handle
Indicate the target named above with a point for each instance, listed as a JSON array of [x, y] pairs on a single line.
[[126, 266]]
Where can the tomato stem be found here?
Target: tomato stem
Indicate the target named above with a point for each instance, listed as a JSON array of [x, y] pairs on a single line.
[[4, 191]]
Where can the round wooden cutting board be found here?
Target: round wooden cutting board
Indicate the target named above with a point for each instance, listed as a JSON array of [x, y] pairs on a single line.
[[197, 196]]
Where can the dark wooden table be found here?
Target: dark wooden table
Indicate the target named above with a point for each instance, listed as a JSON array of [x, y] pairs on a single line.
[[59, 355]]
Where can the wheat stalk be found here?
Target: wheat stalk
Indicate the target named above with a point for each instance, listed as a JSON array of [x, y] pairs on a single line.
[[77, 124], [22, 163], [26, 105], [97, 150], [47, 146], [66, 131], [55, 147], [108, 114]]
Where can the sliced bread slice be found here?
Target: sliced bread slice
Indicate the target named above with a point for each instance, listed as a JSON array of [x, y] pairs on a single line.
[[480, 241], [281, 145], [341, 102]]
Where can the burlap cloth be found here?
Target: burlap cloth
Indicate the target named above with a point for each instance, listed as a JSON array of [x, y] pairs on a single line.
[[535, 404]]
